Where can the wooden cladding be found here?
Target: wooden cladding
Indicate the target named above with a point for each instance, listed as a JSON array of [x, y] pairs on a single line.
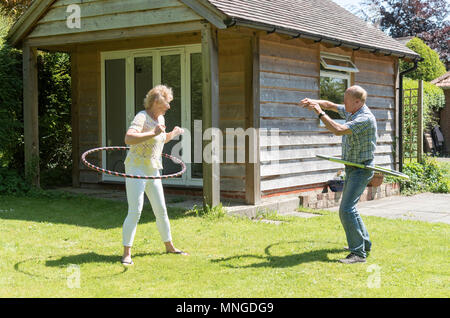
[[290, 72]]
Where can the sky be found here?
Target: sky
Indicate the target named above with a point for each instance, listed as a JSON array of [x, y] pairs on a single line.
[[346, 3]]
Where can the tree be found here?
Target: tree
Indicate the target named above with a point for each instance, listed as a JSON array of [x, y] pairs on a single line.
[[425, 19], [430, 68], [14, 8]]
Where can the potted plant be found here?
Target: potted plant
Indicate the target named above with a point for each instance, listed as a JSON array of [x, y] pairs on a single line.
[[376, 180], [337, 183]]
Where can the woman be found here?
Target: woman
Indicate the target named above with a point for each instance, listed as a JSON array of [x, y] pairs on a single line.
[[146, 137]]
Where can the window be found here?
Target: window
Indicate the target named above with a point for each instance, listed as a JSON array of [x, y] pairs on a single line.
[[335, 73]]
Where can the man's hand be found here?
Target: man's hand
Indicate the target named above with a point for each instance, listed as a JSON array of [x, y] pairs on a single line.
[[311, 104]]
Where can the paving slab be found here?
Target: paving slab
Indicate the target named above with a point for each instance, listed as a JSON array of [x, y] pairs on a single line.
[[429, 207]]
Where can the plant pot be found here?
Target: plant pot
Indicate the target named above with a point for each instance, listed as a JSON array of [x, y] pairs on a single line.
[[376, 180], [336, 185]]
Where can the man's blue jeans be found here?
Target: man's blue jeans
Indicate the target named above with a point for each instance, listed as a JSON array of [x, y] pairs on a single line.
[[356, 180]]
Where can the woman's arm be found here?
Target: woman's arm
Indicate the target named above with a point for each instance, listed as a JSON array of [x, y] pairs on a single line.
[[175, 132], [132, 137]]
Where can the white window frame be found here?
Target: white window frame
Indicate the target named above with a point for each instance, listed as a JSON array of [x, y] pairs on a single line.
[[330, 71], [156, 53], [324, 55]]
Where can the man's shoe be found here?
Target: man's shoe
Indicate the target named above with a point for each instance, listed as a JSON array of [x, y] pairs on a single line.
[[353, 258]]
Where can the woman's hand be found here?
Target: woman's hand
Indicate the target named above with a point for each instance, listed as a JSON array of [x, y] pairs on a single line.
[[174, 133], [159, 129], [177, 131]]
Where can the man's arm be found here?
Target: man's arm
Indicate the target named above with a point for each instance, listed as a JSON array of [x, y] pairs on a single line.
[[324, 104], [330, 124], [334, 127]]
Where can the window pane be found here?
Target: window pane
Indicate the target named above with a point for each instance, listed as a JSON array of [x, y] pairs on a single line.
[[333, 89], [143, 80], [171, 76], [115, 111], [196, 107]]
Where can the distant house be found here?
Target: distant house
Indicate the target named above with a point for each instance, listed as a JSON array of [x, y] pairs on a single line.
[[232, 63], [444, 116]]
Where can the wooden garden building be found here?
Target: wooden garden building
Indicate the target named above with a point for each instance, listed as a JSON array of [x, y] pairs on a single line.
[[232, 64]]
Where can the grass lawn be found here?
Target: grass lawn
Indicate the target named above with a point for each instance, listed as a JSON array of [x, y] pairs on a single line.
[[47, 241]]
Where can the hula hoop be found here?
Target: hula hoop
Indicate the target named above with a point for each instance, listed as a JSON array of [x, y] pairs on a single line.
[[119, 174], [382, 170]]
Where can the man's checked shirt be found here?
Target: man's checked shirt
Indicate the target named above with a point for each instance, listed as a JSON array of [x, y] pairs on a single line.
[[359, 146]]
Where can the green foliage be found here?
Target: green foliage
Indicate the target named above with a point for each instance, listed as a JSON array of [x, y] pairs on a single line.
[[11, 182], [208, 212], [433, 101], [54, 99], [424, 177], [11, 114], [430, 68]]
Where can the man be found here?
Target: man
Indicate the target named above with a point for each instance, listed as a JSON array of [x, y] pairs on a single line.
[[358, 145]]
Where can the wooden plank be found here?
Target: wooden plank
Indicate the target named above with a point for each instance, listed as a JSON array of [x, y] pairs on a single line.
[[106, 7], [232, 170], [378, 90], [310, 138], [120, 21], [374, 78], [298, 180], [116, 35], [27, 20], [286, 51], [301, 166], [381, 102], [277, 80], [288, 124], [252, 167], [232, 184], [210, 116], [374, 65], [285, 96], [288, 66], [310, 152], [30, 114]]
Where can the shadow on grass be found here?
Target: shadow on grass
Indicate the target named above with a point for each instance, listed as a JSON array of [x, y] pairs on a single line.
[[81, 211], [91, 257], [283, 261]]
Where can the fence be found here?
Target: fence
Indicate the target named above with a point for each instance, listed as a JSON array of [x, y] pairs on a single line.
[[413, 123]]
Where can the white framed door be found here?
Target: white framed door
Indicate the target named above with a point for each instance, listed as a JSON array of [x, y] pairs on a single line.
[[126, 78]]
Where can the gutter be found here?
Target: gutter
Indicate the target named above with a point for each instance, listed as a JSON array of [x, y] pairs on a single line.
[[270, 28], [400, 115]]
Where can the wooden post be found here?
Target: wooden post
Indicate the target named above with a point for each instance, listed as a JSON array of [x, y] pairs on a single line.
[[398, 95], [75, 120], [30, 114], [252, 118], [420, 122], [210, 116]]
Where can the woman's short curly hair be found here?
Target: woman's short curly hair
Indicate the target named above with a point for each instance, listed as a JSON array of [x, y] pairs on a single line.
[[157, 93]]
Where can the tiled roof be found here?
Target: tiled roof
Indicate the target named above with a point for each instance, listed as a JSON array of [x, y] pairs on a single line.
[[442, 81], [320, 18]]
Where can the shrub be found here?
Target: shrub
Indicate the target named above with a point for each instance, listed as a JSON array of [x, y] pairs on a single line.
[[433, 101], [424, 177], [55, 145], [12, 182], [430, 68]]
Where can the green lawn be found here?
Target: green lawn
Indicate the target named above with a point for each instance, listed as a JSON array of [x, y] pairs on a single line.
[[46, 243]]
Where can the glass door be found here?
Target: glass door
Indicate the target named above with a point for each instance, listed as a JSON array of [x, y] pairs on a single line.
[[127, 76]]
